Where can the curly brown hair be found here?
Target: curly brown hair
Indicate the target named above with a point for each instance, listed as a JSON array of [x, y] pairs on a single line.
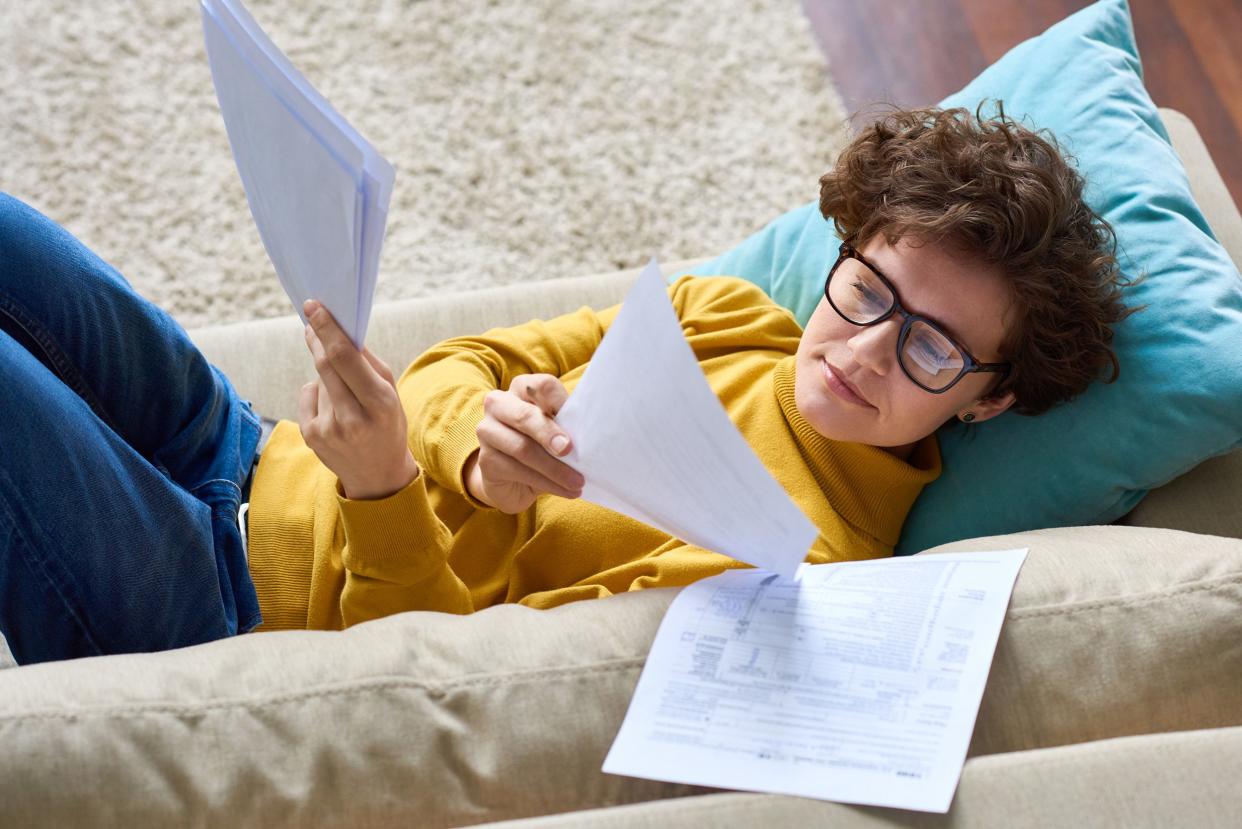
[[1006, 194]]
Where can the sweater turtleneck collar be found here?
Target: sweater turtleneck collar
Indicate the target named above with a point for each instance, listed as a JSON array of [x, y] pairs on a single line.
[[867, 486]]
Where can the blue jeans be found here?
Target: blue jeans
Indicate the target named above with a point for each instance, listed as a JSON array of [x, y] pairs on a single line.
[[123, 454]]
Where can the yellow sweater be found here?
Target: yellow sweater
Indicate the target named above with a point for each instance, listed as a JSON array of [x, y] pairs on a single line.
[[322, 561]]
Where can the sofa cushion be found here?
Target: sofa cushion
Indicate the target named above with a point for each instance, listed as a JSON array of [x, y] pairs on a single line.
[[1179, 397], [436, 720]]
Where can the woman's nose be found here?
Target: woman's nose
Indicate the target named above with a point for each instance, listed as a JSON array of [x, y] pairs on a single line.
[[875, 346]]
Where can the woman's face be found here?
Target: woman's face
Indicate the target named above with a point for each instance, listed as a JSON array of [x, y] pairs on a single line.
[[968, 299]]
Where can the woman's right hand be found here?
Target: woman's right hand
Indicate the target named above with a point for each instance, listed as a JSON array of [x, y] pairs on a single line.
[[519, 446]]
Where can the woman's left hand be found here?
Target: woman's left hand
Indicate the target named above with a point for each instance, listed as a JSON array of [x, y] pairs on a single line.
[[351, 417]]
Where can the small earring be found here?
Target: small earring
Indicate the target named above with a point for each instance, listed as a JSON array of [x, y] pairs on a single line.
[[968, 417]]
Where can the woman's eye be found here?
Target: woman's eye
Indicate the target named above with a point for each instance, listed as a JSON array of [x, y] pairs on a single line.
[[864, 293], [933, 355]]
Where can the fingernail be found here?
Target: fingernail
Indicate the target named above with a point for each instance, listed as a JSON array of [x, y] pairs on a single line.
[[309, 306], [559, 444]]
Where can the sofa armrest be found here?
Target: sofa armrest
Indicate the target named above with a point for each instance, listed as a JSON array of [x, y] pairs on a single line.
[[1205, 499], [1206, 185]]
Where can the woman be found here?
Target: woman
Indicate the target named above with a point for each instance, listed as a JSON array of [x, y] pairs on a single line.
[[973, 280]]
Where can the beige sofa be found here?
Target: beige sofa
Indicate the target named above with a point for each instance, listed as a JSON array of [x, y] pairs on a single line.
[[1115, 697]]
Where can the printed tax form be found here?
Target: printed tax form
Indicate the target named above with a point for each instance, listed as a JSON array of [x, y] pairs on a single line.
[[859, 682]]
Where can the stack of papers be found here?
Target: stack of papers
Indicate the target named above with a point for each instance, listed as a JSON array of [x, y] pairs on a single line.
[[318, 191]]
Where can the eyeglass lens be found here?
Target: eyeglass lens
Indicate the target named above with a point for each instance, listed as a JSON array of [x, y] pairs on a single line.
[[862, 297]]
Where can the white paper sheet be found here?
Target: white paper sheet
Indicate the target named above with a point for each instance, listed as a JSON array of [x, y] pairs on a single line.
[[318, 191], [858, 683], [654, 442]]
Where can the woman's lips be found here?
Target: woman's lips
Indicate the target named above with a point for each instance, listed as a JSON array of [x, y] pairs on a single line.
[[842, 389]]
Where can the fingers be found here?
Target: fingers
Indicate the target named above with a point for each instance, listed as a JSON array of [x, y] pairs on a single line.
[[498, 437], [333, 385], [357, 374], [545, 395], [528, 419], [308, 408], [308, 402], [542, 390], [506, 469]]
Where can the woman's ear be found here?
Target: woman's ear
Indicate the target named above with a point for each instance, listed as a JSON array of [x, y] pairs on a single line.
[[986, 408]]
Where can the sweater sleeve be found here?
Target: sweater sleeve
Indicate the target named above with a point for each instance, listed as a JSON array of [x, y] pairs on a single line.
[[396, 557], [676, 564], [443, 389]]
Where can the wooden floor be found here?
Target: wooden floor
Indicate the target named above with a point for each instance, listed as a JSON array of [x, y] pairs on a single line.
[[915, 52]]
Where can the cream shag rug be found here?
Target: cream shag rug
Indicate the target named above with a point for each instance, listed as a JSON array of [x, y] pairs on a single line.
[[531, 138]]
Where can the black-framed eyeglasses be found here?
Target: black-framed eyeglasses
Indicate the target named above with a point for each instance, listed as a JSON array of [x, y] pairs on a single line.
[[863, 296]]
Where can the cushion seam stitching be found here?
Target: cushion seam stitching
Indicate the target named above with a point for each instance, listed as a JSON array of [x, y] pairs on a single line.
[[1105, 604]]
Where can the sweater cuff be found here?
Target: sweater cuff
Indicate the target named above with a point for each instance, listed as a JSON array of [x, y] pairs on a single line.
[[393, 537]]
